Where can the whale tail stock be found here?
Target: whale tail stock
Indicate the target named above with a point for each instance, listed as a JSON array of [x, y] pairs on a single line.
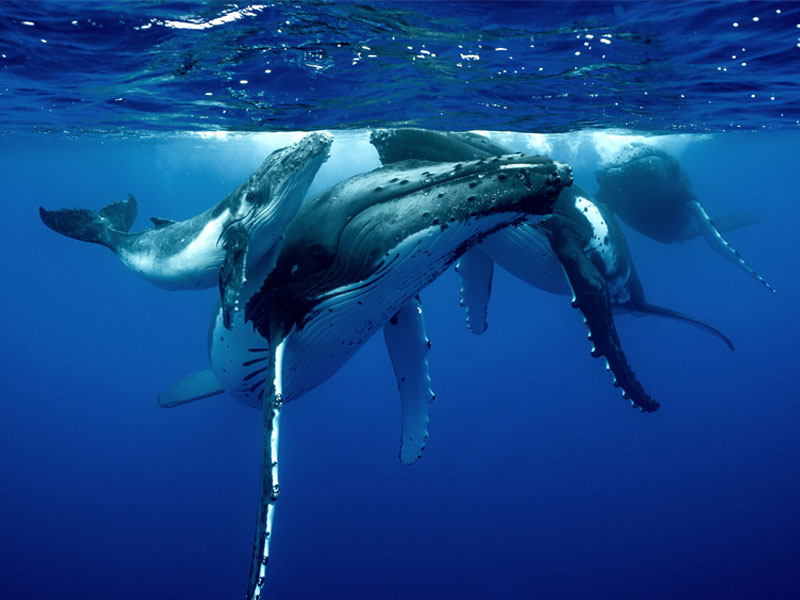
[[103, 227]]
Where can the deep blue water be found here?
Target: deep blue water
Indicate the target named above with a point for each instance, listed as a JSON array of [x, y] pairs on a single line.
[[538, 481]]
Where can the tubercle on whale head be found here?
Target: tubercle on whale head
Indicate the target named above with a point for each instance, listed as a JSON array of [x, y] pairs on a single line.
[[564, 173], [553, 180], [287, 168], [633, 161]]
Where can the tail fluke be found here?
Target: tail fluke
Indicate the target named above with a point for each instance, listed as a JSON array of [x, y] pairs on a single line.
[[660, 311], [89, 226]]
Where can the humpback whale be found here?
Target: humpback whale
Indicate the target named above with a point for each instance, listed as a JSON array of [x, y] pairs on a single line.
[[580, 240], [650, 192], [352, 262], [216, 246]]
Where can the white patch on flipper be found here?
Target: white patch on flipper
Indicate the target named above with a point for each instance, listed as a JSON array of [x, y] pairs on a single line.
[[599, 244]]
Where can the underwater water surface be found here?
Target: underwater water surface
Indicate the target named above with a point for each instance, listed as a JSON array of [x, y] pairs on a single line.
[[538, 480]]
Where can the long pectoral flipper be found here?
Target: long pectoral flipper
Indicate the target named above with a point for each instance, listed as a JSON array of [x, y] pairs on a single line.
[[272, 403], [714, 238], [475, 269], [408, 347], [590, 296], [660, 311], [193, 387], [232, 273]]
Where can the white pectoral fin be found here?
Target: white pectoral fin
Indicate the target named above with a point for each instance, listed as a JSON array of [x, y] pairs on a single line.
[[269, 489], [408, 347], [193, 387], [475, 268], [714, 239]]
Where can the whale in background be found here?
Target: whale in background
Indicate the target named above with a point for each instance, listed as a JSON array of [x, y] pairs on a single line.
[[651, 193], [216, 246]]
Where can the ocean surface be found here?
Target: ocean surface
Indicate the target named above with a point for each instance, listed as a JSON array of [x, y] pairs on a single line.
[[538, 480]]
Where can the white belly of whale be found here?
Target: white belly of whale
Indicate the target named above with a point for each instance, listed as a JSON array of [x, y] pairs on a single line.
[[195, 265]]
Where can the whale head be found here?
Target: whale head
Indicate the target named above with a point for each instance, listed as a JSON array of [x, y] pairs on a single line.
[[276, 189], [639, 164], [386, 234]]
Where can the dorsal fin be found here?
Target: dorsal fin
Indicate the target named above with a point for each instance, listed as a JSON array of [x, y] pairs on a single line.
[[160, 223]]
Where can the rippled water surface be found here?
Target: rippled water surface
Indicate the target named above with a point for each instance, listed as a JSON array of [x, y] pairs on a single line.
[[540, 66]]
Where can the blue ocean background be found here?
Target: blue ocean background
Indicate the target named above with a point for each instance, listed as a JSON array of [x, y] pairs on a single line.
[[538, 480]]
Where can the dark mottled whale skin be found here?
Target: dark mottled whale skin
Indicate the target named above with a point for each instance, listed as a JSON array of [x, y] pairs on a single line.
[[650, 192], [351, 262], [359, 252], [580, 239], [216, 246]]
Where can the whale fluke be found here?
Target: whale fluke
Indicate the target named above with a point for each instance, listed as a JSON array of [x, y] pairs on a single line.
[[86, 225]]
